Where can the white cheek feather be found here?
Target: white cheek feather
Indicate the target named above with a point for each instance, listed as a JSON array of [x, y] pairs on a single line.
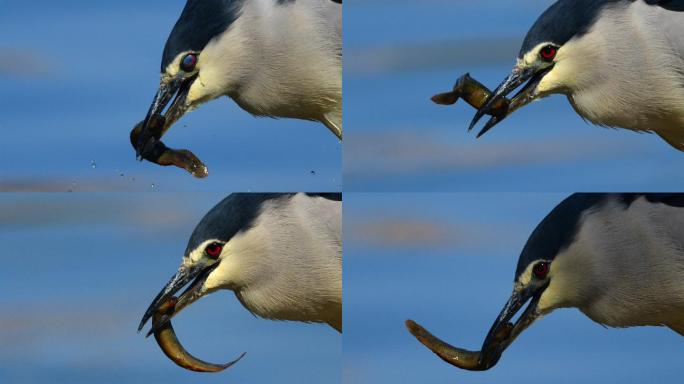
[[531, 57], [549, 83], [525, 278], [571, 282], [625, 268], [567, 73], [288, 265], [281, 61], [243, 261]]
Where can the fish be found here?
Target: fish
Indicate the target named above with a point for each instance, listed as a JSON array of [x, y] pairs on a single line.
[[477, 95], [461, 358], [171, 346], [159, 153]]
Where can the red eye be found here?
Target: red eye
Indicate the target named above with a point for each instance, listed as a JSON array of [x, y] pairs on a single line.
[[548, 53], [213, 250], [540, 270], [189, 62]]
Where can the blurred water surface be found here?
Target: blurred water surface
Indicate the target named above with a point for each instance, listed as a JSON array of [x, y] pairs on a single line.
[[77, 75], [79, 270], [447, 261], [400, 53]]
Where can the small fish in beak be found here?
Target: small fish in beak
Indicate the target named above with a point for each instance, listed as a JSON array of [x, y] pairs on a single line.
[[494, 104], [172, 348], [165, 306], [158, 153], [195, 276], [478, 96], [146, 135], [502, 333], [526, 95], [475, 94], [464, 359]]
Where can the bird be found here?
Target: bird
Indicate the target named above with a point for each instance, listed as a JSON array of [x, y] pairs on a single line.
[[619, 62], [280, 253], [618, 258], [274, 58]]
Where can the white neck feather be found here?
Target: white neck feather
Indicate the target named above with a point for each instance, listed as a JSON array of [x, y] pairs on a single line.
[[282, 61], [288, 266], [625, 71], [625, 268]]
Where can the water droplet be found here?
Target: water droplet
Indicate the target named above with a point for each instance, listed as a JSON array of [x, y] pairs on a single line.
[[313, 173], [93, 165], [153, 186]]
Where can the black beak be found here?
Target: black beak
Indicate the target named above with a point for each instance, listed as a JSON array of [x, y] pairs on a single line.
[[177, 282], [511, 83], [178, 87], [494, 345]]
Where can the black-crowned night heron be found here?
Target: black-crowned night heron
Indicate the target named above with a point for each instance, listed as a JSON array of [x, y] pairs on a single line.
[[618, 258], [619, 62], [274, 58], [281, 254]]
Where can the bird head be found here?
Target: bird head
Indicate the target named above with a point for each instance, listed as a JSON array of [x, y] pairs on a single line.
[[192, 55], [552, 272], [222, 253], [280, 253], [553, 58]]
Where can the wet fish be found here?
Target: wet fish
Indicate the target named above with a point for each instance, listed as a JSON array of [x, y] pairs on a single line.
[[461, 358], [158, 153], [473, 93], [172, 348], [477, 95]]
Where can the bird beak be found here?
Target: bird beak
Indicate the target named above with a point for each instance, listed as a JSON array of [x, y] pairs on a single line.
[[500, 336], [177, 86], [197, 274], [494, 345], [529, 93]]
